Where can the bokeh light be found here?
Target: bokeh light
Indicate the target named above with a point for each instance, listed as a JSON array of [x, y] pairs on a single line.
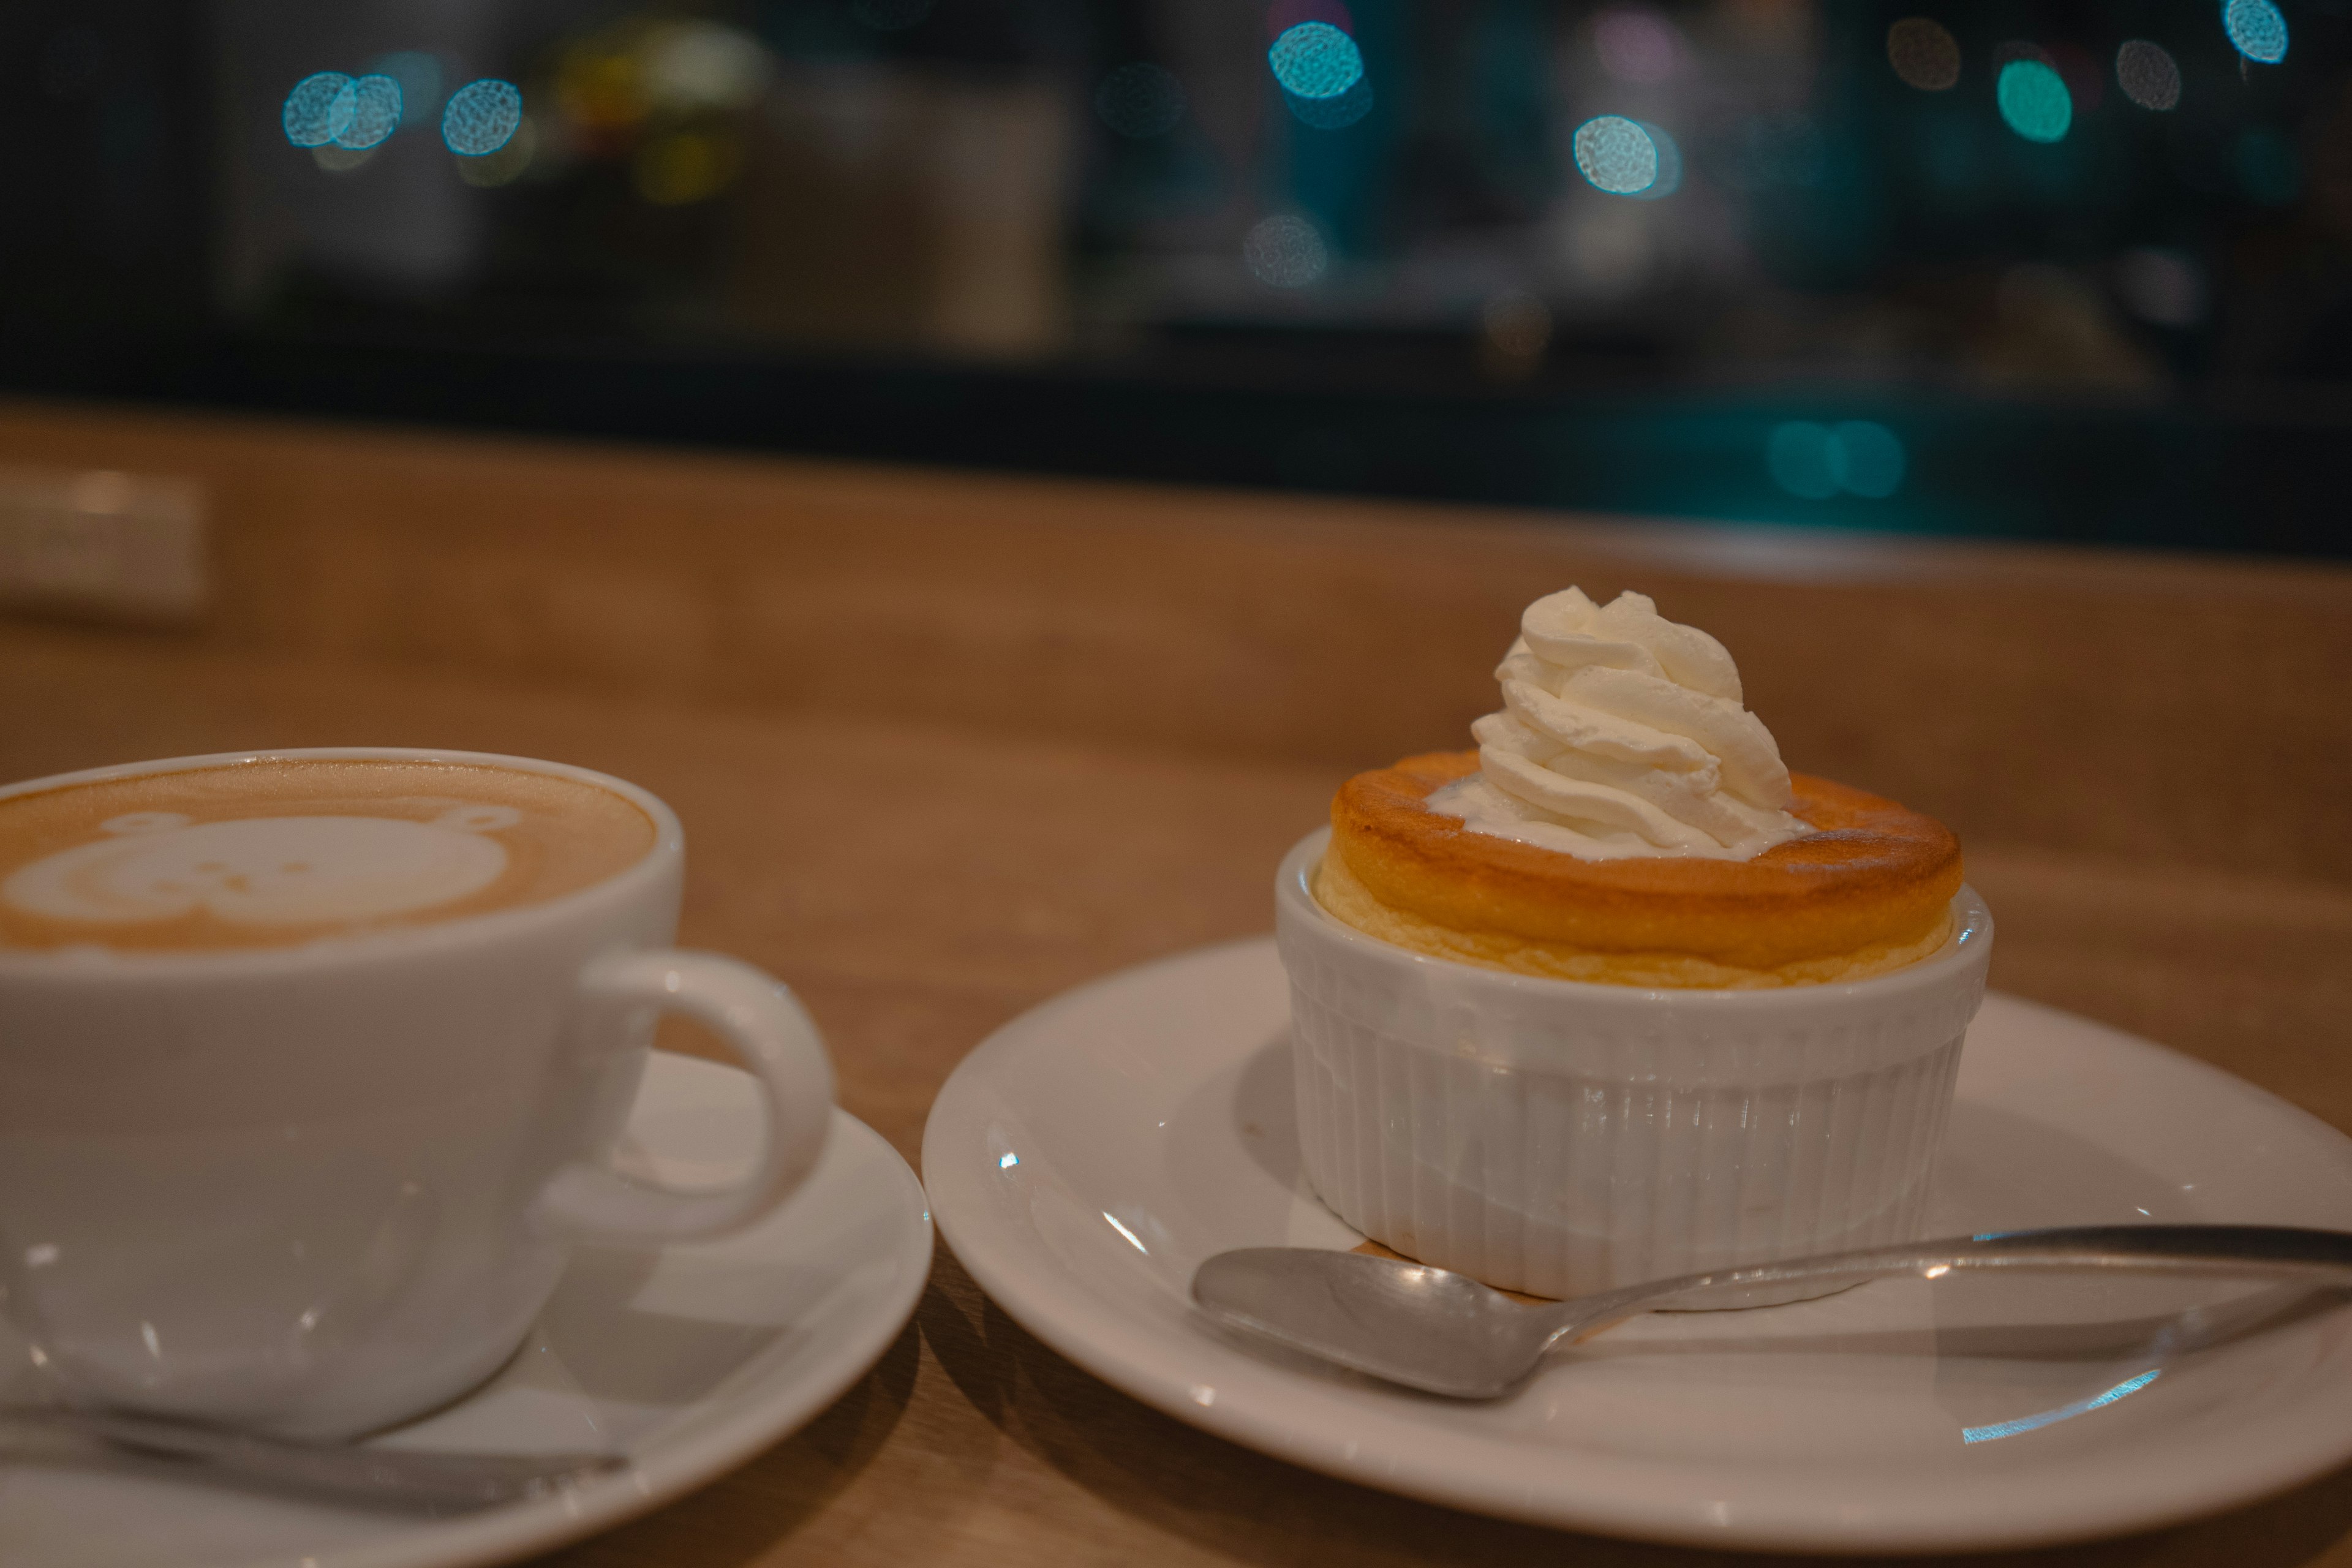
[[599, 89], [1815, 462], [1140, 100], [1514, 330], [481, 117], [1616, 155], [320, 109], [1316, 60], [1516, 322], [2034, 100], [2163, 286], [376, 113], [890, 15], [1670, 163], [1333, 114], [2257, 29], [419, 76], [506, 165], [689, 68], [1873, 457], [1805, 459], [1285, 251], [2148, 75], [1636, 44], [1924, 54], [682, 167]]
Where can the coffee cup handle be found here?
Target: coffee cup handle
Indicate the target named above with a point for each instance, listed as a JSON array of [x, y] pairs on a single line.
[[759, 1018]]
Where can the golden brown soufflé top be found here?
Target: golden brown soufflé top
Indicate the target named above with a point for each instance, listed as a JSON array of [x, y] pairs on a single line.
[[1626, 821], [1867, 892]]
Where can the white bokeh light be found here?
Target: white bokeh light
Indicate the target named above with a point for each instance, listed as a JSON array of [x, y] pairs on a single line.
[[1286, 251]]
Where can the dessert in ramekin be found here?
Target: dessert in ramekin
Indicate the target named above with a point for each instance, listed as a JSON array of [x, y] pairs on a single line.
[[1614, 998]]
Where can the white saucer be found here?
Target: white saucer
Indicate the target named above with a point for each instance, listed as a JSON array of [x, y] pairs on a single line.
[[689, 1359], [1091, 1153]]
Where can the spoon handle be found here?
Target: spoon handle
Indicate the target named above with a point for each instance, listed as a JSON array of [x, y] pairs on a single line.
[[2261, 1251], [352, 1470]]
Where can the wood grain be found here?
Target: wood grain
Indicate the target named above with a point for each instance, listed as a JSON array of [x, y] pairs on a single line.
[[2185, 708], [946, 745]]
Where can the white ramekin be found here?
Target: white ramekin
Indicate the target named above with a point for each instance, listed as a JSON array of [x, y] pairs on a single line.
[[1558, 1138]]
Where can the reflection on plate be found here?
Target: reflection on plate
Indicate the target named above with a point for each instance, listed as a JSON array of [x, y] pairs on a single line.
[[690, 1359], [1088, 1156]]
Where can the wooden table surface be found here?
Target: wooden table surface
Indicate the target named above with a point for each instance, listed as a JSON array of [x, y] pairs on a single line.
[[922, 873]]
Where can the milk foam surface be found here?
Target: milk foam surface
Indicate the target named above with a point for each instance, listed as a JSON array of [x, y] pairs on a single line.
[[279, 851], [1622, 734]]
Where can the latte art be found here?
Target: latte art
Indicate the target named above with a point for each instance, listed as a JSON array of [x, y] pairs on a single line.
[[264, 870], [270, 852]]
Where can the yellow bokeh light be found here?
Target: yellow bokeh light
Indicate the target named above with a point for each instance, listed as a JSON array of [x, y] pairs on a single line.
[[505, 165], [599, 87], [684, 167], [1924, 54]]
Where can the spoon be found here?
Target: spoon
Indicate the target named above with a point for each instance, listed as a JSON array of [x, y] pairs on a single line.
[[378, 1474], [1444, 1332]]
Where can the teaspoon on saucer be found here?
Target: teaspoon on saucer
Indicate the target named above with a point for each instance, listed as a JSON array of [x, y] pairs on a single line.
[[1446, 1334], [345, 1470]]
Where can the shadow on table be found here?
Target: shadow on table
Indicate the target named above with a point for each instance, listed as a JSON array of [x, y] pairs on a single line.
[[740, 1516], [1261, 1511]]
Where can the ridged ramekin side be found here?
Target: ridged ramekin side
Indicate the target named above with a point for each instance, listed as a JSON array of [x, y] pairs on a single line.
[[1558, 1139]]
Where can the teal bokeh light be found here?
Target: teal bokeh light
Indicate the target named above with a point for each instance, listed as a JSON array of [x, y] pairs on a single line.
[[1617, 155], [419, 76], [2034, 100], [482, 117], [1333, 114], [376, 113], [1873, 457], [2257, 29], [1805, 459], [320, 109], [1316, 60], [1670, 163], [1815, 462]]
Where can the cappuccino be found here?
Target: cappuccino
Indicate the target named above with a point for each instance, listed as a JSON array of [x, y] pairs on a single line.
[[279, 851]]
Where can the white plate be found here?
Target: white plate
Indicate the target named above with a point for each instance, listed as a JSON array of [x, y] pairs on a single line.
[[689, 1359], [1086, 1158]]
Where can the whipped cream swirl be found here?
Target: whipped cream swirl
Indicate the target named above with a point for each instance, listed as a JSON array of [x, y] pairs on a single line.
[[1622, 734]]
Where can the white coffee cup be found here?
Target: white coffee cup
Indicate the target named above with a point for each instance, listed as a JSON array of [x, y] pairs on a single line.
[[315, 1190]]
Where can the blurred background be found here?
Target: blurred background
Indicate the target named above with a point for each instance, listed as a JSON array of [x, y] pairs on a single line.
[[2056, 270]]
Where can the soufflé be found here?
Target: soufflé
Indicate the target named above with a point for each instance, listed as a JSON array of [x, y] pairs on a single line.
[[1615, 996], [1625, 820]]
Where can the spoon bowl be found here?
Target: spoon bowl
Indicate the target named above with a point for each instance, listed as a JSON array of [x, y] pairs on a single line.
[[1426, 1327]]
